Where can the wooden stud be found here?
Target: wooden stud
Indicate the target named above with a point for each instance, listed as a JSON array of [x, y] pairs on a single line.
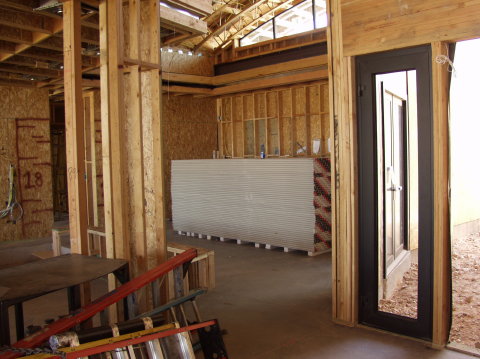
[[74, 124], [116, 119], [135, 152], [158, 249], [344, 229], [441, 254], [308, 134]]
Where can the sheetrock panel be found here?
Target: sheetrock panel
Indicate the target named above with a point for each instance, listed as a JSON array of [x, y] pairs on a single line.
[[253, 200]]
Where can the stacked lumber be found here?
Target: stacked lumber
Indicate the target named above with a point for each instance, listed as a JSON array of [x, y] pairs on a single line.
[[264, 201]]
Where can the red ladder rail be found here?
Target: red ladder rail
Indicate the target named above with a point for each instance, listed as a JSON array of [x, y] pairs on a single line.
[[100, 304]]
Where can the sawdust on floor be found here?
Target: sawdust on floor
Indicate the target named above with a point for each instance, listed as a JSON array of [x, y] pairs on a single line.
[[466, 292], [405, 298]]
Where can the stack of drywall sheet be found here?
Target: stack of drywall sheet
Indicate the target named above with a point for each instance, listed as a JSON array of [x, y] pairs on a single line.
[[253, 200]]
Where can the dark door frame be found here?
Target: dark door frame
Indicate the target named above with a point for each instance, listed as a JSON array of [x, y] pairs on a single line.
[[367, 66]]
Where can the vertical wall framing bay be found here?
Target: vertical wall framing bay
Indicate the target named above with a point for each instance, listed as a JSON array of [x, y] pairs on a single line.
[[344, 173], [281, 122]]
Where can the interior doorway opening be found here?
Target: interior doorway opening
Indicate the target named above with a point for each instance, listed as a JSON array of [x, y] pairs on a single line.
[[465, 195]]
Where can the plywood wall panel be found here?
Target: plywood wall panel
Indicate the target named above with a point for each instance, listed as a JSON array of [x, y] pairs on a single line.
[[190, 132], [25, 143], [186, 64], [23, 102], [248, 107], [379, 25], [272, 104]]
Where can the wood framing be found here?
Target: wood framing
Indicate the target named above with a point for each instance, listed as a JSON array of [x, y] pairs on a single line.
[[132, 135], [379, 25], [344, 174], [177, 21], [442, 306], [284, 121], [229, 23], [74, 127], [199, 7]]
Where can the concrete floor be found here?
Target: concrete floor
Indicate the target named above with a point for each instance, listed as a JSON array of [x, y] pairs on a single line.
[[274, 305]]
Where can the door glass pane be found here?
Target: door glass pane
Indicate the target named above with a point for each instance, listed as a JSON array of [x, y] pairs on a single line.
[[397, 192]]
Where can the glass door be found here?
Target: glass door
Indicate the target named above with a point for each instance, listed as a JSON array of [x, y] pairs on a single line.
[[395, 191]]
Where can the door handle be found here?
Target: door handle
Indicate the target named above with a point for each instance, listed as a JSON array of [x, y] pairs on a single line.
[[395, 188]]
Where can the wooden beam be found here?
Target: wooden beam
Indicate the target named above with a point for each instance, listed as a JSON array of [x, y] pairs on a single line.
[[187, 90], [229, 23], [74, 125], [272, 82], [185, 78], [175, 20], [441, 251], [310, 62], [30, 71], [198, 7]]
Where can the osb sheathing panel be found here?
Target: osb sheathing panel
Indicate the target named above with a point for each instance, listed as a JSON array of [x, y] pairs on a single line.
[[227, 138], [190, 132], [22, 102], [185, 64], [25, 143], [238, 131], [260, 105], [272, 105]]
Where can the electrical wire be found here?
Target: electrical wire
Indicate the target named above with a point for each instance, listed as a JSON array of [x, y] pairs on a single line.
[[14, 209], [445, 59]]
